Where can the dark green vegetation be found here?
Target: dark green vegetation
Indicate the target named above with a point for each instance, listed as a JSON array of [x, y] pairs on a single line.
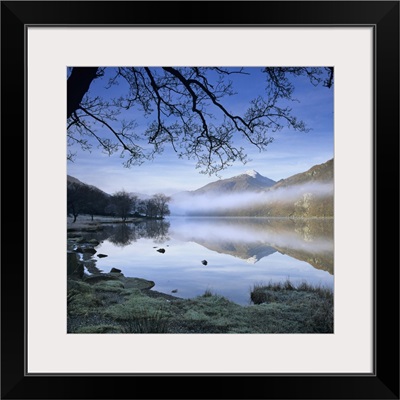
[[313, 303], [111, 303]]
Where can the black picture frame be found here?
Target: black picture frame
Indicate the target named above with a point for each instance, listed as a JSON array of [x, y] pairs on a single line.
[[383, 383]]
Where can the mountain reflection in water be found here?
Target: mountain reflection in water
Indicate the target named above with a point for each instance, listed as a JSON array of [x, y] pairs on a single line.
[[251, 239], [241, 252]]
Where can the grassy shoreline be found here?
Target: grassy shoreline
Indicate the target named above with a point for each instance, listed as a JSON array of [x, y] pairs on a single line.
[[109, 307]]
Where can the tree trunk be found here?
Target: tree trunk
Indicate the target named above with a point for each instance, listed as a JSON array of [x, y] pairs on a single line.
[[77, 86]]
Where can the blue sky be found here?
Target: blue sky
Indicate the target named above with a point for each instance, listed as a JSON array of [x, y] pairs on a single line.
[[291, 152]]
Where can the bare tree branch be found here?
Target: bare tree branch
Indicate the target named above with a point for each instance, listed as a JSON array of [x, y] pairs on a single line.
[[185, 109]]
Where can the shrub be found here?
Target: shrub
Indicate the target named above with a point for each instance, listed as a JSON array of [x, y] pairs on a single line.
[[208, 293], [308, 307], [140, 314], [149, 322]]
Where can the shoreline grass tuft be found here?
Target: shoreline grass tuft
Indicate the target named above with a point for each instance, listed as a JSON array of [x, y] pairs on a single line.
[[315, 303]]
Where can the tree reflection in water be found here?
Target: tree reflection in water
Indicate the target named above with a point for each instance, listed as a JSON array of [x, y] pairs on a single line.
[[122, 235]]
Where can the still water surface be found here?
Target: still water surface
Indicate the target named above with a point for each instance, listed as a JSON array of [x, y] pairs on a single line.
[[240, 252]]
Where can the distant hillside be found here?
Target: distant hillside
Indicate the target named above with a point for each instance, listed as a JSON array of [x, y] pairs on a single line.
[[250, 181], [309, 194], [71, 179], [140, 196], [317, 173]]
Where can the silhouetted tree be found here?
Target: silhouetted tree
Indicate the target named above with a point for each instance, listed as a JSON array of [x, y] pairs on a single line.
[[85, 199], [122, 235], [161, 204], [148, 208], [123, 204], [76, 194], [186, 110], [95, 202], [157, 230]]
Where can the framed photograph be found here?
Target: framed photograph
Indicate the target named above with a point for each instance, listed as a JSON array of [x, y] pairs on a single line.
[[210, 198]]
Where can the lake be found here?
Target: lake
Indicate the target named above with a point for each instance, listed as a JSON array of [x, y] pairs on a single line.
[[240, 253]]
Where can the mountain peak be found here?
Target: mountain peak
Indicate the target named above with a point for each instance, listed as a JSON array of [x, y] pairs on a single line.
[[260, 179], [250, 181], [252, 173]]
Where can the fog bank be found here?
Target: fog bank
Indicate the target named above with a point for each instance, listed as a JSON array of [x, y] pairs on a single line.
[[211, 203]]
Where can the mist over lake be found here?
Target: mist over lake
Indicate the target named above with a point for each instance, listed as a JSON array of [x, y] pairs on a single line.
[[215, 203], [239, 253]]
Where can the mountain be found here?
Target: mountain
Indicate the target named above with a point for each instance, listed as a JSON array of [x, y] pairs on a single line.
[[140, 196], [303, 195], [250, 181], [317, 173], [73, 180]]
